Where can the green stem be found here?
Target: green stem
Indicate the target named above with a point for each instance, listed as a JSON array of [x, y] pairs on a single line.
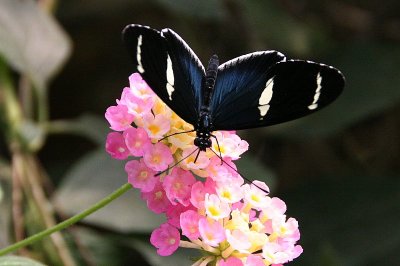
[[27, 241]]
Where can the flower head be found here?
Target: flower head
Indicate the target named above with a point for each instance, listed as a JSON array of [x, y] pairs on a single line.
[[203, 197]]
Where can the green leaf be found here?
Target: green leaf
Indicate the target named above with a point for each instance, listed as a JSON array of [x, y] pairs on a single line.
[[5, 209], [31, 40], [18, 261], [93, 178], [182, 257], [110, 249], [352, 218], [88, 125], [253, 169], [273, 25]]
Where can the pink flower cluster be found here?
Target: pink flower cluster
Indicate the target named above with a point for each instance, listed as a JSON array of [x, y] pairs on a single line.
[[207, 204]]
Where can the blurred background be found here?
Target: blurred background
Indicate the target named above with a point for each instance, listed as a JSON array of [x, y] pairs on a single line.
[[337, 170]]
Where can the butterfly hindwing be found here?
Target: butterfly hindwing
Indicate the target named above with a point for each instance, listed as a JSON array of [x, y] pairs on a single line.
[[301, 88], [285, 91], [238, 83], [168, 66]]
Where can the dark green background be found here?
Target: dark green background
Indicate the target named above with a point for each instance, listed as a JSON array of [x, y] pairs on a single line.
[[337, 170]]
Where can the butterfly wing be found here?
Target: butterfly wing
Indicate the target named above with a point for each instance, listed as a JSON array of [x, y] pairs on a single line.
[[249, 95], [169, 67]]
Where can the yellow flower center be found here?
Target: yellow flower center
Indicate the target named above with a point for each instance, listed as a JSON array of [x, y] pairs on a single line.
[[178, 185], [226, 194], [154, 129], [158, 195], [156, 159], [143, 175], [255, 198], [219, 148], [214, 211]]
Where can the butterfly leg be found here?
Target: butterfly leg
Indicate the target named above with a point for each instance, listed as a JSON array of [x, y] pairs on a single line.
[[197, 156], [220, 154]]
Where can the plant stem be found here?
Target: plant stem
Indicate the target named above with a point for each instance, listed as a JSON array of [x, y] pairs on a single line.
[[27, 241]]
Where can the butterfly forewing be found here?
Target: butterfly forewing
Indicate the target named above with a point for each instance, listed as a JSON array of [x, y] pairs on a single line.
[[285, 91], [188, 75], [148, 51], [168, 66]]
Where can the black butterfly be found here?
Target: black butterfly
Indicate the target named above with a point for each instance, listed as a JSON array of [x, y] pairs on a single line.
[[254, 90]]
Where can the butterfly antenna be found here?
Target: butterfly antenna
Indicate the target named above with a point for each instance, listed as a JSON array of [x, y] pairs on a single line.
[[176, 133], [230, 166], [170, 167]]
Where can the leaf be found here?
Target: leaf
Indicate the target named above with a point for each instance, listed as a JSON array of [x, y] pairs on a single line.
[[31, 40], [182, 257], [88, 125], [5, 209], [252, 168], [92, 126], [355, 217], [93, 178], [283, 30], [110, 249], [18, 261]]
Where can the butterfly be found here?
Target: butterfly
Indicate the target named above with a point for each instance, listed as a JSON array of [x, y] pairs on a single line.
[[253, 90]]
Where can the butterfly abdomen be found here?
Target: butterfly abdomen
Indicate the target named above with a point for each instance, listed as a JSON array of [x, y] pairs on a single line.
[[211, 77]]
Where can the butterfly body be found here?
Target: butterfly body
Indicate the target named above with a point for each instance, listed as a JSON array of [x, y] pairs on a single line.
[[254, 90], [204, 126]]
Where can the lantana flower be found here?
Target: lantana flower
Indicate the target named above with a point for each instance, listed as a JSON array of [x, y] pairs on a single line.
[[207, 204]]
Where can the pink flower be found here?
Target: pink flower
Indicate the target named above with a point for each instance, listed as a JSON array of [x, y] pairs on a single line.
[[201, 162], [115, 146], [137, 140], [198, 193], [231, 261], [215, 208], [178, 185], [136, 105], [157, 156], [211, 232], [139, 87], [238, 239], [156, 199], [229, 144], [189, 222], [118, 117], [223, 173], [140, 176], [174, 212], [254, 260], [165, 239], [156, 126]]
